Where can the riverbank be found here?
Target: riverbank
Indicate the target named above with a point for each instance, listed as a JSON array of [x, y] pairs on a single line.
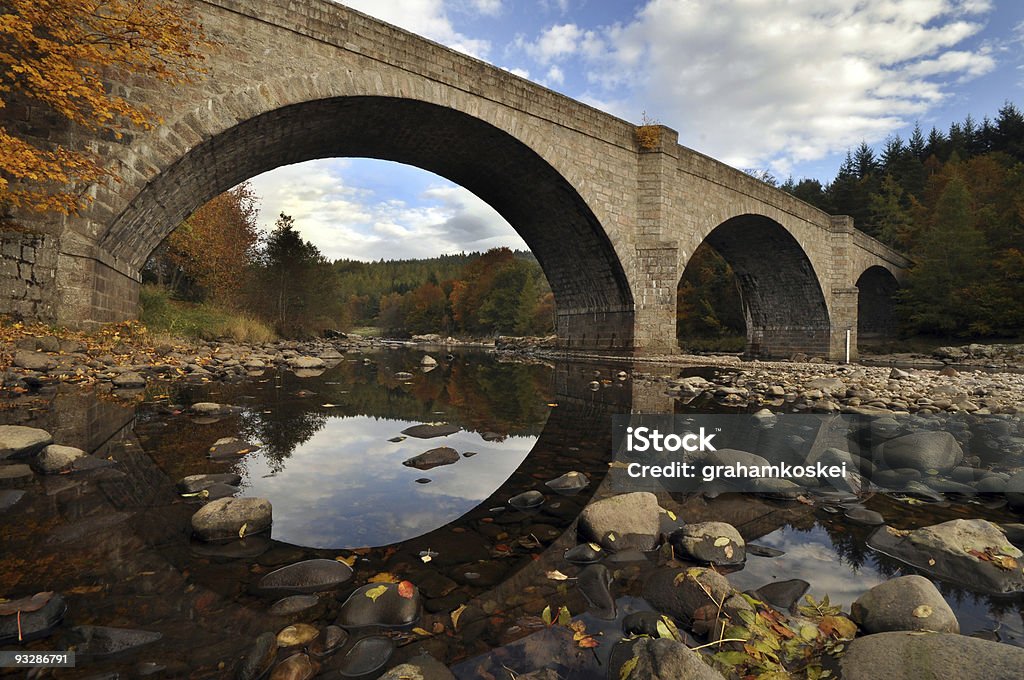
[[126, 357]]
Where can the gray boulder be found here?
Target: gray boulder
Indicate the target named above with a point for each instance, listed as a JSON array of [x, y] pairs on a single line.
[[55, 459], [710, 543], [18, 441], [971, 551], [904, 603], [922, 451], [664, 659], [129, 380], [225, 518], [33, 361], [913, 656], [629, 520], [681, 592]]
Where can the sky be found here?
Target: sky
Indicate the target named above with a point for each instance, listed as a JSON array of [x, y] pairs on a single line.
[[786, 86]]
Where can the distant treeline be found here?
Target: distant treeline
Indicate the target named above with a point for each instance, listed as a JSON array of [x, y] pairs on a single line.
[[951, 200], [218, 256]]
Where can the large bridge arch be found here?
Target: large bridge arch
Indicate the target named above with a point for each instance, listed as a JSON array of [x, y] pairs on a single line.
[[782, 292], [557, 224]]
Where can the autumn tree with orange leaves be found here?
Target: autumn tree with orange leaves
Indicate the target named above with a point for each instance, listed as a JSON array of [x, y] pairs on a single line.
[[208, 255], [54, 55]]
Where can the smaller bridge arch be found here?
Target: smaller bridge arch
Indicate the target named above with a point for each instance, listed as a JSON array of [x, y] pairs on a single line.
[[877, 287], [784, 302]]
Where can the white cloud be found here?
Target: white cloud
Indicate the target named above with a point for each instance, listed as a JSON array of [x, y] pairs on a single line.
[[554, 43], [344, 221], [429, 19], [487, 7], [759, 83], [555, 76]]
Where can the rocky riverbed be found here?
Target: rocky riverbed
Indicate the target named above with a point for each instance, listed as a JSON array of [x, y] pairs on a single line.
[[556, 574]]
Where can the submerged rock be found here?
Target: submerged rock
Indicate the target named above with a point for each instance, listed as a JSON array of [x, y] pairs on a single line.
[[106, 641], [528, 500], [260, 657], [595, 584], [39, 615], [569, 483], [381, 604], [229, 518], [367, 656], [309, 576], [196, 483], [629, 520], [904, 603], [294, 605], [229, 448], [433, 458], [431, 430]]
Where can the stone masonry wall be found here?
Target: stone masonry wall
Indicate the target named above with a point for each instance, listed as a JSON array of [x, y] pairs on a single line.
[[28, 266]]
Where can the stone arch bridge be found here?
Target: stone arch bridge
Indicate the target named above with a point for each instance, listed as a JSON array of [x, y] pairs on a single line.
[[612, 221]]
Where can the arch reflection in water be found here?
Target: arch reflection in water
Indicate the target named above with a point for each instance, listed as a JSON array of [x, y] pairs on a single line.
[[346, 487]]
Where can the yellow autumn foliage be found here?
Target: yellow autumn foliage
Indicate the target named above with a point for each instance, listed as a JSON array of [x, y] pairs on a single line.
[[53, 58]]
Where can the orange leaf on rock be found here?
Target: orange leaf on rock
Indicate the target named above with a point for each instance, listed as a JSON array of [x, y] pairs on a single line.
[[406, 589]]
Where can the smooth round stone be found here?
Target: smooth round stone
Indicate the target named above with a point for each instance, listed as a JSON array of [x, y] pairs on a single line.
[[528, 500], [443, 455], [569, 483], [585, 553], [367, 656], [217, 491], [55, 459], [230, 448], [381, 604], [103, 641], [309, 576], [904, 603], [297, 634], [710, 543], [225, 518], [293, 605], [864, 516]]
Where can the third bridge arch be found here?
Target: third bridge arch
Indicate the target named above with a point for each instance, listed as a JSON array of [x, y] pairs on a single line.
[[611, 222]]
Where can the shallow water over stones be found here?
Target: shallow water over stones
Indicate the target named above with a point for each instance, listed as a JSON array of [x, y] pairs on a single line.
[[117, 545]]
